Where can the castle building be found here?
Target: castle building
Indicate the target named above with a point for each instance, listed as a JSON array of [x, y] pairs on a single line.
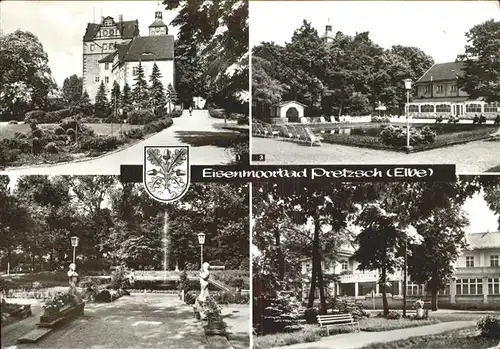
[[113, 50], [476, 279]]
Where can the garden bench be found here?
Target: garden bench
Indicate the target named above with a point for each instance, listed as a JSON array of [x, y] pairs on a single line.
[[336, 320]]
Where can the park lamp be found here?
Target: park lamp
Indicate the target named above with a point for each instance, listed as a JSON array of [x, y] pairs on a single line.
[[201, 238], [74, 241], [407, 84]]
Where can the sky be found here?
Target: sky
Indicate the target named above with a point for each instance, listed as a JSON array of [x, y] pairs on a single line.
[[436, 27], [60, 25]]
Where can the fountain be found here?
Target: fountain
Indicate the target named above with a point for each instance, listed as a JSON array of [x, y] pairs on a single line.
[[165, 251]]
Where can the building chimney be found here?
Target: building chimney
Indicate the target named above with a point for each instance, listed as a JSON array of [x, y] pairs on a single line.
[[121, 18], [158, 15], [102, 19]]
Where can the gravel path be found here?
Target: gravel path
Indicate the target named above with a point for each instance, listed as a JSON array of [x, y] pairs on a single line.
[[360, 339], [469, 158], [184, 127], [159, 321]]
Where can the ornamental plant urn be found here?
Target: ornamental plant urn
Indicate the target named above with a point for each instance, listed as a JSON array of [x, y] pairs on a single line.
[[420, 313]]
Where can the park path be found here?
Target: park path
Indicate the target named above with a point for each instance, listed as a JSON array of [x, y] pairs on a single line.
[[357, 340], [154, 321], [184, 127], [470, 158]]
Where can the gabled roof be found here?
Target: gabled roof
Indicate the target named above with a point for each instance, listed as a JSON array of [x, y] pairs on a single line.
[[442, 71], [288, 102], [108, 58], [484, 240], [150, 48], [128, 29]]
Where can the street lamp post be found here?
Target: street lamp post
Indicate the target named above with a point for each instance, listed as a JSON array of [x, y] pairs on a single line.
[[74, 243], [201, 240], [405, 277], [407, 110]]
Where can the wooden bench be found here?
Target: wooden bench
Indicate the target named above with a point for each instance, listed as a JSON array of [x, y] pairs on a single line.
[[333, 320]]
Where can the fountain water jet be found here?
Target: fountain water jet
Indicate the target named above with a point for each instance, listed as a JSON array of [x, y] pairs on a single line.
[[165, 248]]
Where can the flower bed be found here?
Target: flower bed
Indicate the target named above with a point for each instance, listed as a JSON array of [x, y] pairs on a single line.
[[59, 308]]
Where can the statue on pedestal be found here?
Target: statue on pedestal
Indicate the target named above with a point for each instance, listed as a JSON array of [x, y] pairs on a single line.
[[73, 281], [198, 305]]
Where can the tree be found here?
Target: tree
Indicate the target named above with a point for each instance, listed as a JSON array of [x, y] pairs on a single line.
[[72, 89], [156, 90], [482, 62], [140, 96], [23, 63], [266, 90], [377, 246], [115, 97], [101, 102], [126, 98], [431, 262], [171, 97]]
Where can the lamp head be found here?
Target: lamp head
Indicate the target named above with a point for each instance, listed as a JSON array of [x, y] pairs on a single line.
[[74, 241], [407, 84], [201, 238]]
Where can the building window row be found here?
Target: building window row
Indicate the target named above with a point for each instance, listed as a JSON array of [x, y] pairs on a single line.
[[473, 108], [469, 286], [469, 261], [446, 108], [443, 108], [494, 286]]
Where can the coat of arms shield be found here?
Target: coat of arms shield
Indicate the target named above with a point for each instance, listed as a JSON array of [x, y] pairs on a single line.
[[166, 172]]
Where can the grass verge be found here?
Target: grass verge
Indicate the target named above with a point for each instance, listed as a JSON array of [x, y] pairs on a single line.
[[458, 339]]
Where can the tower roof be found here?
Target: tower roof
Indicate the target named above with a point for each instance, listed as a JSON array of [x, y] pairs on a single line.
[[328, 32], [157, 23]]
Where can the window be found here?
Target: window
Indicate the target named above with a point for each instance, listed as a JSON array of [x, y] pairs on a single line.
[[494, 261], [413, 289], [494, 286], [111, 32], [308, 268], [469, 286], [104, 46], [344, 265], [97, 79], [106, 66], [427, 108], [453, 88], [412, 108], [92, 47], [105, 33], [111, 45], [492, 107], [473, 108], [443, 108], [440, 89], [135, 71], [106, 79], [427, 89], [469, 261]]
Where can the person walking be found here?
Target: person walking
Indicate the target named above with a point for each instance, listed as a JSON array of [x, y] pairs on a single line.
[[190, 110]]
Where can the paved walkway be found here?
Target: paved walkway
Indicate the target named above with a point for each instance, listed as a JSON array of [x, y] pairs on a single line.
[[160, 321], [469, 158], [360, 339], [185, 127]]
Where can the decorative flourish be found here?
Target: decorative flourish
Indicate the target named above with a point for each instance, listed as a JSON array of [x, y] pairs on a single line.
[[166, 174]]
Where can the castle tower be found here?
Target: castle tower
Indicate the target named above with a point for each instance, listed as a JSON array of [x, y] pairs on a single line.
[[99, 44], [328, 36], [158, 27]]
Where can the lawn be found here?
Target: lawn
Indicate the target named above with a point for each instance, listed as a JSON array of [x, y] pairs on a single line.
[[459, 339], [313, 333], [218, 139], [9, 130], [367, 135]]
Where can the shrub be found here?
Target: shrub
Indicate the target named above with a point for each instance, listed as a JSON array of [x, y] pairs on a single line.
[[98, 143], [141, 117], [216, 113], [37, 145], [489, 326], [55, 116], [119, 278], [190, 297], [135, 133], [13, 122], [310, 315], [393, 315], [34, 114], [175, 113], [52, 148], [348, 306], [71, 132], [38, 133], [84, 109], [59, 131], [158, 126], [243, 119], [103, 296], [231, 298], [7, 156], [379, 119], [396, 136]]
